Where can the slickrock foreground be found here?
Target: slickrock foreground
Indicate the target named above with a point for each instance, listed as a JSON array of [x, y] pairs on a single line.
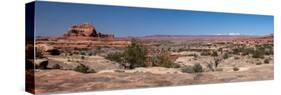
[[59, 81]]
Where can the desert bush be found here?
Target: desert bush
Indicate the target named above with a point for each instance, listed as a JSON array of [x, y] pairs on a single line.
[[217, 62], [236, 51], [242, 50], [76, 52], [236, 69], [165, 62], [247, 51], [84, 69], [82, 57], [42, 65], [215, 53], [269, 52], [194, 55], [82, 53], [220, 50], [205, 53], [258, 63], [90, 54], [70, 54], [117, 57], [56, 66], [181, 49], [98, 49], [81, 68], [92, 71], [54, 52], [135, 55], [268, 48], [226, 55], [211, 67], [266, 61], [198, 68], [154, 60], [258, 54], [188, 69]]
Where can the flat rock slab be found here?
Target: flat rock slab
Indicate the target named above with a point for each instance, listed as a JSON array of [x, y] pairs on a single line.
[[61, 81]]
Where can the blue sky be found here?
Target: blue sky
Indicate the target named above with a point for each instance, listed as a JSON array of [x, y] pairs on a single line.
[[53, 19]]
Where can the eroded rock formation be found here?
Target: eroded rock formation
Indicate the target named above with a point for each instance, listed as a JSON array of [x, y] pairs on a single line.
[[85, 30], [81, 30]]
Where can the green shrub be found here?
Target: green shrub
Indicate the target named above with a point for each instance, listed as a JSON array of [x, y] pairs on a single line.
[[188, 69], [211, 67], [214, 53], [217, 62], [117, 57], [135, 55], [266, 61], [236, 51], [84, 69], [165, 62], [258, 54], [82, 57], [269, 52], [82, 53], [247, 51], [205, 53], [258, 63], [91, 71], [236, 69], [98, 49], [54, 52], [56, 66], [225, 56], [42, 65], [268, 49], [194, 55], [198, 68]]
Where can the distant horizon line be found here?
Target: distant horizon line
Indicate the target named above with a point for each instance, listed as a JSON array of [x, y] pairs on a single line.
[[167, 35]]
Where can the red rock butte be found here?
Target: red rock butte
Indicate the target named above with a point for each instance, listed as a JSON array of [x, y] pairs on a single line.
[[85, 30], [82, 36]]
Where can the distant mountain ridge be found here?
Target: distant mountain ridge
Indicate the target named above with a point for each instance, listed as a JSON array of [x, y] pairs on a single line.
[[196, 37]]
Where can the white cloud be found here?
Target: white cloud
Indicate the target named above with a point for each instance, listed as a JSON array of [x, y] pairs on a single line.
[[234, 34], [219, 34]]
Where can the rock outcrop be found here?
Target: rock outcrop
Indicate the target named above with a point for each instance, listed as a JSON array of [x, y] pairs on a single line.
[[85, 30], [58, 81], [82, 30]]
